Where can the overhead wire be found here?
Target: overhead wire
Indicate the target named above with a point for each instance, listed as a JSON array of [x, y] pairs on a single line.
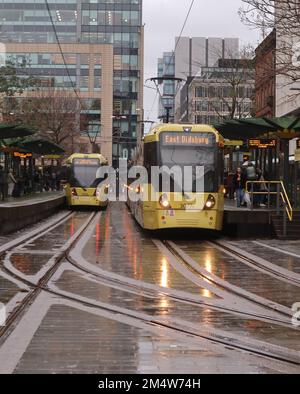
[[181, 32], [176, 46], [63, 55]]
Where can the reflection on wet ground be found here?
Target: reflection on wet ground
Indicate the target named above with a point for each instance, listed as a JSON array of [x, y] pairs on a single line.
[[81, 340], [119, 246], [10, 237], [30, 258], [74, 341], [163, 306], [28, 264], [239, 274], [56, 238]]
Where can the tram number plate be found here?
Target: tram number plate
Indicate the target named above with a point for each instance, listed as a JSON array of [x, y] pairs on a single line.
[[190, 207]]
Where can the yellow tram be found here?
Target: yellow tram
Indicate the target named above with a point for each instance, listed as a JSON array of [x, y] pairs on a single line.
[[183, 146], [83, 180]]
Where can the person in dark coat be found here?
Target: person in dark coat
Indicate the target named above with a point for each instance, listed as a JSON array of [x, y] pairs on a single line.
[[239, 183], [2, 183]]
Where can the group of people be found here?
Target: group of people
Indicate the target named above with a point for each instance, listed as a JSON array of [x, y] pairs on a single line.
[[238, 186], [15, 186]]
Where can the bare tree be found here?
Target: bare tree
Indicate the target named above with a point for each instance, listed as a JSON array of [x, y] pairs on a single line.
[[231, 84], [284, 16], [14, 80], [52, 112]]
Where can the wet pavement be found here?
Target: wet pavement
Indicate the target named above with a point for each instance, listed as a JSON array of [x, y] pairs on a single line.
[[73, 341], [273, 251], [164, 307], [7, 290], [236, 273], [119, 246], [117, 304]]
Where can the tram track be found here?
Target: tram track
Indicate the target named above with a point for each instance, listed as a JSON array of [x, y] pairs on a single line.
[[253, 347], [32, 235], [191, 265], [36, 288], [258, 263]]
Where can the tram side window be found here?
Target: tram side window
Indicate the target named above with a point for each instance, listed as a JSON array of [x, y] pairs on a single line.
[[150, 156]]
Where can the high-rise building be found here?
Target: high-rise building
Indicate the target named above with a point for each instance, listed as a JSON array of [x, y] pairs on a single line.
[[166, 69], [218, 93], [102, 43], [190, 55]]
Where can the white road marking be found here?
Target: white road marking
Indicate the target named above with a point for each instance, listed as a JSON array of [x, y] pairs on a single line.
[[16, 344], [49, 224], [277, 249]]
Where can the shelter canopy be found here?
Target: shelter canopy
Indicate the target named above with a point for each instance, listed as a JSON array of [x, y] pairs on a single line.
[[247, 128]]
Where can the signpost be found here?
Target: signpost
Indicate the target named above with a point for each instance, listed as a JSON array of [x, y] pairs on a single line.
[[262, 143]]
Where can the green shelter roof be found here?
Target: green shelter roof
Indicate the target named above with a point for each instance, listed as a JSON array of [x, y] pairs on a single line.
[[39, 146], [14, 131], [247, 128]]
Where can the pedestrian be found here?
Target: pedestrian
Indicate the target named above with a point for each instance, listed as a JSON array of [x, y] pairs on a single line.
[[58, 180], [262, 188], [46, 181], [2, 183], [230, 186], [53, 181], [239, 183], [11, 181]]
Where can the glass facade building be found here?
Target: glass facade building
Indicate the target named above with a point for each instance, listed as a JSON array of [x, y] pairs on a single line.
[[166, 69], [80, 22]]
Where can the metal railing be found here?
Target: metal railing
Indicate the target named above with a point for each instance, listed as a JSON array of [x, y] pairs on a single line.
[[281, 196]]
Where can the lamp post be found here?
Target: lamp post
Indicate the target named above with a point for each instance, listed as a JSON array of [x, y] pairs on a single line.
[[117, 134]]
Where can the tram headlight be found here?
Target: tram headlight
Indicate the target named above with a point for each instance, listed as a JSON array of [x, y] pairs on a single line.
[[211, 202], [164, 201]]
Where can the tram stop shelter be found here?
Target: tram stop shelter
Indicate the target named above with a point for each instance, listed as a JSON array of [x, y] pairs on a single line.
[[268, 140], [8, 134], [33, 148], [20, 147]]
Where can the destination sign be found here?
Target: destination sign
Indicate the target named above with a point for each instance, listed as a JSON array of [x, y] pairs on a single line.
[[192, 139], [86, 162], [22, 155], [262, 144]]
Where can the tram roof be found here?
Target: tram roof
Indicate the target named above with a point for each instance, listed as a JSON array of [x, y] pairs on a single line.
[[178, 127], [102, 159]]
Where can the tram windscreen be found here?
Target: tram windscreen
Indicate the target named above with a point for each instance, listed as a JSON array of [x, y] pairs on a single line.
[[84, 173], [198, 149]]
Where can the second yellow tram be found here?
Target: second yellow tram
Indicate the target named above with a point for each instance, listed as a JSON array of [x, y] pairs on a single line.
[[82, 188], [183, 146]]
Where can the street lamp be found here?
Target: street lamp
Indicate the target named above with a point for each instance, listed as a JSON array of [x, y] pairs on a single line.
[[119, 118]]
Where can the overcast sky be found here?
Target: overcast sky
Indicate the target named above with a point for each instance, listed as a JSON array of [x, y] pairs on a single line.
[[164, 19]]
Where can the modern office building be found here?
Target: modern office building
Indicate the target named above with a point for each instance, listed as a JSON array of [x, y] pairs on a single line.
[[94, 35], [218, 93], [190, 55], [166, 69]]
